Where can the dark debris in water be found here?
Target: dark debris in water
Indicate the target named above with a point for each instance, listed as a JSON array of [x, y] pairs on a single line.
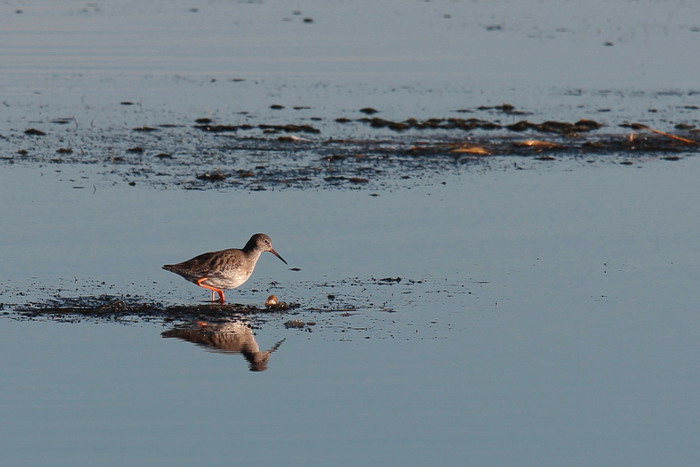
[[67, 303], [264, 156], [133, 309], [265, 127], [368, 307]]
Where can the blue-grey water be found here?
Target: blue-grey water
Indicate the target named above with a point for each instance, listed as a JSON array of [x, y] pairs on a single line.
[[545, 316]]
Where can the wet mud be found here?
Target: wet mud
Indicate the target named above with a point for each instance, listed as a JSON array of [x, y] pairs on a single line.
[[353, 304], [206, 154], [131, 310]]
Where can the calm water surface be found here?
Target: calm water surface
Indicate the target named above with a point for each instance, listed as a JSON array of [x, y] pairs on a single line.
[[578, 349], [545, 316]]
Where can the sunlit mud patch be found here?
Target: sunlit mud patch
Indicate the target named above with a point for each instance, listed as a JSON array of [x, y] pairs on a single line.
[[367, 153], [131, 310], [347, 309]]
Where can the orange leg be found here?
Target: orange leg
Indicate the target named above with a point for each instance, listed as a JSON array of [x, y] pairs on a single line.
[[222, 297]]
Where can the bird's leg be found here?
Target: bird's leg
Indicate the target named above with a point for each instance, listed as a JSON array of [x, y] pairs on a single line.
[[222, 297]]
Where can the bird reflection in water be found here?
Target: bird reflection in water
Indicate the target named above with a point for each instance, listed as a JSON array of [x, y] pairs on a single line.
[[226, 337]]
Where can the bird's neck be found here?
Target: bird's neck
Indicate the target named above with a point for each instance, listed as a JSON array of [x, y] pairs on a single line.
[[253, 254]]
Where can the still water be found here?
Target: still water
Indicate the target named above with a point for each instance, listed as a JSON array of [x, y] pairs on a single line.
[[557, 324], [545, 316]]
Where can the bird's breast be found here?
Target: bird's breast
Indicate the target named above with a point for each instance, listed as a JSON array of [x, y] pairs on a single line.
[[229, 279]]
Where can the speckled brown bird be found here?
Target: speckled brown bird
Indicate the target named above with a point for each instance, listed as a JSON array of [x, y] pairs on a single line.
[[224, 269]]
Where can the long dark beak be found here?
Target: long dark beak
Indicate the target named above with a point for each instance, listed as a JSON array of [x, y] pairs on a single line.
[[272, 250]]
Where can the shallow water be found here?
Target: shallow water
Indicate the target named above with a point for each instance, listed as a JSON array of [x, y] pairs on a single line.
[[557, 311], [623, 60], [546, 313]]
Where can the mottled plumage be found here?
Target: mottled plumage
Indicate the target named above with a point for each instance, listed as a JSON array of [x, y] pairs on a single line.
[[225, 269]]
